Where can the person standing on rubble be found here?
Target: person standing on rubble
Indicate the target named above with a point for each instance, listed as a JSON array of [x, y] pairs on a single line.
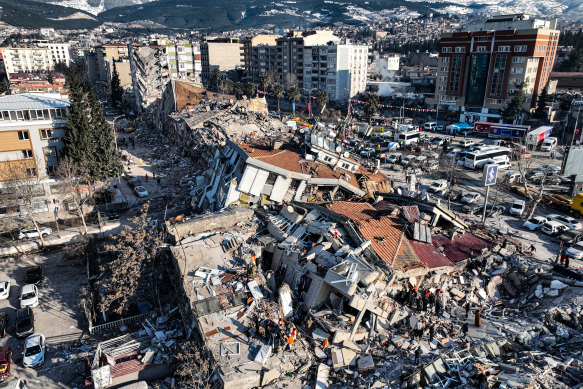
[[566, 261], [417, 355], [483, 381], [431, 298], [424, 301], [437, 308], [468, 307], [431, 332], [133, 143], [465, 329]]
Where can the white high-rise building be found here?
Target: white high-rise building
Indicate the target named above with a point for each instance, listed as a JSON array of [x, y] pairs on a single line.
[[39, 57]]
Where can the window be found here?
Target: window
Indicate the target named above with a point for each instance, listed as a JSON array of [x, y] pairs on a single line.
[[27, 154], [538, 48], [481, 49], [503, 48], [517, 59], [23, 135], [520, 48], [443, 69], [31, 172], [456, 71], [498, 75], [517, 70], [442, 78], [446, 50], [441, 88], [46, 133], [460, 49], [50, 152], [445, 59], [482, 39]]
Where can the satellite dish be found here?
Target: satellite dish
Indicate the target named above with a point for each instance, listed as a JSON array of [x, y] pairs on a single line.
[[338, 149], [346, 154]]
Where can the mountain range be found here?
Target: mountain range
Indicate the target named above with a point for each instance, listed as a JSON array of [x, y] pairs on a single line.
[[230, 14]]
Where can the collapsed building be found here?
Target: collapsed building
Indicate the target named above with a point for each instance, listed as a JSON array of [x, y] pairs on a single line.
[[337, 272], [149, 69]]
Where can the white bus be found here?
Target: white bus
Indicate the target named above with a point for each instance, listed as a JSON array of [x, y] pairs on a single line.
[[477, 159], [406, 138]]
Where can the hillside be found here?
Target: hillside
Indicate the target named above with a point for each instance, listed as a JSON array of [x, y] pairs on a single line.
[[30, 14]]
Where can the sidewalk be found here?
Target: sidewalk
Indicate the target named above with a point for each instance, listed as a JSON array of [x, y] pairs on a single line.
[[69, 235]]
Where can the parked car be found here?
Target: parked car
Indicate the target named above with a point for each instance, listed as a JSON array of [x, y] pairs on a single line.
[[512, 178], [571, 236], [552, 169], [501, 165], [552, 227], [430, 165], [431, 154], [3, 324], [5, 358], [569, 221], [495, 210], [29, 233], [437, 186], [24, 322], [471, 197], [4, 290], [535, 223], [34, 275], [34, 350], [29, 296], [133, 181], [420, 159], [394, 158], [452, 153], [465, 143], [367, 152], [576, 251], [517, 208], [407, 160], [141, 191]]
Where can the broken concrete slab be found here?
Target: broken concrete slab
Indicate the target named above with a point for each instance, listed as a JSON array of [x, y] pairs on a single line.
[[365, 363]]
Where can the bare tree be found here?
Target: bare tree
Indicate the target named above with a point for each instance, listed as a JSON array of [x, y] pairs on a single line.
[[134, 250], [70, 176], [25, 184], [534, 193], [449, 166]]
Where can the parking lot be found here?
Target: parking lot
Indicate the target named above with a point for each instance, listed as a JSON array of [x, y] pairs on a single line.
[[468, 180], [58, 316]]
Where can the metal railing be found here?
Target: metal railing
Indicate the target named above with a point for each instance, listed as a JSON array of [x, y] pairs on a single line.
[[117, 323]]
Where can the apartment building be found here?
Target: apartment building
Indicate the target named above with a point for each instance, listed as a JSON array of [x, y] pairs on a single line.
[[220, 53], [259, 53], [39, 57], [311, 60], [479, 67], [32, 127], [109, 53], [184, 59], [149, 70]]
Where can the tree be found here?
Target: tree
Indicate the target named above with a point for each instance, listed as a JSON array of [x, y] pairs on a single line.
[[250, 89], [515, 106], [228, 86], [22, 180], [321, 98], [78, 143], [278, 93], [116, 89], [134, 250], [70, 176], [264, 81], [5, 86], [371, 105], [293, 96], [239, 89], [532, 193], [105, 159], [50, 78], [216, 78], [541, 105]]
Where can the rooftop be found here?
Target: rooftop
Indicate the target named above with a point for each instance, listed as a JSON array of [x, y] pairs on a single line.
[[31, 101]]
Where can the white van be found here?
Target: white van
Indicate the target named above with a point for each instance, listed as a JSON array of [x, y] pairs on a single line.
[[553, 228], [406, 138], [429, 126], [549, 144]]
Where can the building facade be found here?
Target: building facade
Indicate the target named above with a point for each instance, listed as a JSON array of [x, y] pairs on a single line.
[[259, 53], [149, 70], [32, 127], [184, 61], [40, 57], [480, 68], [221, 53], [110, 53]]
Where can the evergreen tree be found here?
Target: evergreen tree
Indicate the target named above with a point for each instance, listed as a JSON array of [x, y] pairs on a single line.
[[104, 160], [50, 77], [321, 98], [515, 106], [541, 104], [371, 105], [263, 81], [78, 142], [278, 93], [116, 89]]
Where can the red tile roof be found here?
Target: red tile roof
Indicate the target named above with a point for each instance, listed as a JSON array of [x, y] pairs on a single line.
[[462, 247], [430, 256], [383, 232]]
